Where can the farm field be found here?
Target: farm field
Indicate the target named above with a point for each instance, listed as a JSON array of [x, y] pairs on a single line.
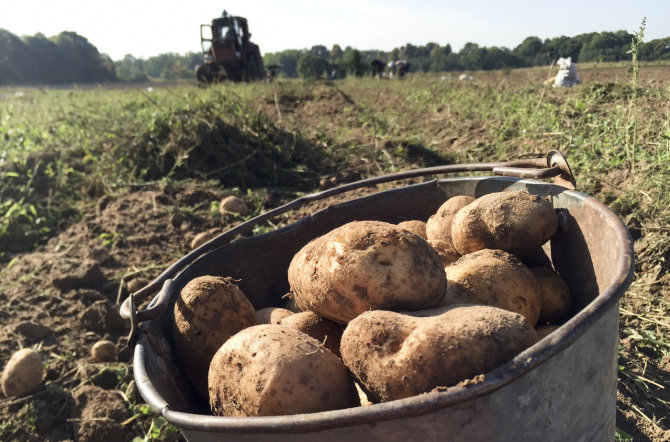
[[102, 188]]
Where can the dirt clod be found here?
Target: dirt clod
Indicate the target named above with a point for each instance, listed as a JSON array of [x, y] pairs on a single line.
[[96, 415], [101, 317]]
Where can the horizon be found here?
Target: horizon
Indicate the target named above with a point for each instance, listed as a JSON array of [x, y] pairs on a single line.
[[153, 28]]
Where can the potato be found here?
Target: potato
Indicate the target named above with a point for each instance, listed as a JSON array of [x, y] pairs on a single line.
[[23, 373], [208, 311], [438, 226], [323, 330], [397, 355], [104, 351], [366, 265], [496, 278], [271, 315], [446, 250], [233, 205], [555, 295], [416, 226], [517, 222], [270, 369]]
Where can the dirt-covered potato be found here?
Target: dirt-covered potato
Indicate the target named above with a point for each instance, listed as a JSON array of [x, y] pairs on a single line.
[[104, 351], [446, 250], [496, 278], [556, 298], [270, 369], [23, 373], [397, 355], [233, 205], [366, 265], [415, 225], [438, 226], [208, 311], [271, 315], [514, 221], [323, 330]]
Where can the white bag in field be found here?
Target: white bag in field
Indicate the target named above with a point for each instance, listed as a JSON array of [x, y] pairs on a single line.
[[567, 73]]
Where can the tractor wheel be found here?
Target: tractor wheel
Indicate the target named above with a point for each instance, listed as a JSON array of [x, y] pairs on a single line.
[[255, 70], [203, 74]]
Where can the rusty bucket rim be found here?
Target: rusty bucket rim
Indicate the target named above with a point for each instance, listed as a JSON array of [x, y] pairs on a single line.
[[424, 403]]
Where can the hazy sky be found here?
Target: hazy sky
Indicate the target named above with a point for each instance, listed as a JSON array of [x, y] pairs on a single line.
[[147, 27]]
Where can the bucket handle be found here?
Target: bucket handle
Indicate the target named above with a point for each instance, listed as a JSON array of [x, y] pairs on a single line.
[[554, 165]]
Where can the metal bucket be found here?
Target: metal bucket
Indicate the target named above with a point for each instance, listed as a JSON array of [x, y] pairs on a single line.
[[562, 388]]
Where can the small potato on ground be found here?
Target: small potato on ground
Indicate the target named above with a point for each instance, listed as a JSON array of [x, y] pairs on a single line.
[[23, 373], [233, 205], [496, 278], [270, 370], [397, 355], [208, 311], [104, 351]]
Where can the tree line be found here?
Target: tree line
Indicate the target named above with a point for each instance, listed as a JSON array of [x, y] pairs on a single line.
[[433, 57], [69, 58]]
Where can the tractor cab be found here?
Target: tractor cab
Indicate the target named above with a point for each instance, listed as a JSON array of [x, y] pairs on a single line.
[[228, 52]]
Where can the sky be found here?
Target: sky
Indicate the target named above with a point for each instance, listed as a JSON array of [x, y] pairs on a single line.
[[144, 28]]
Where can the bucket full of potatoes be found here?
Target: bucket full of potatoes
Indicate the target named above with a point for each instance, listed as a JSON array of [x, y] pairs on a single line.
[[482, 308]]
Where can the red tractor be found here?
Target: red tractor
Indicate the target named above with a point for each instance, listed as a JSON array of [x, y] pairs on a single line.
[[229, 55]]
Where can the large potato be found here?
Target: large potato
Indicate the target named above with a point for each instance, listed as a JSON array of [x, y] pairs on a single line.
[[366, 265], [438, 226], [270, 369], [323, 330], [517, 222], [496, 278], [556, 298], [397, 355], [208, 311]]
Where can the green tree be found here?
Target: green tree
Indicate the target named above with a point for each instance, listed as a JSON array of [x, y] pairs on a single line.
[[320, 51], [336, 52], [532, 52], [80, 60], [354, 63], [311, 67], [14, 59], [606, 46]]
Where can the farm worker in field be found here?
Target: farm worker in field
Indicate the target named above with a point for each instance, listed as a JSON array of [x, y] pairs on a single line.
[[391, 66], [567, 73], [402, 67], [377, 68]]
